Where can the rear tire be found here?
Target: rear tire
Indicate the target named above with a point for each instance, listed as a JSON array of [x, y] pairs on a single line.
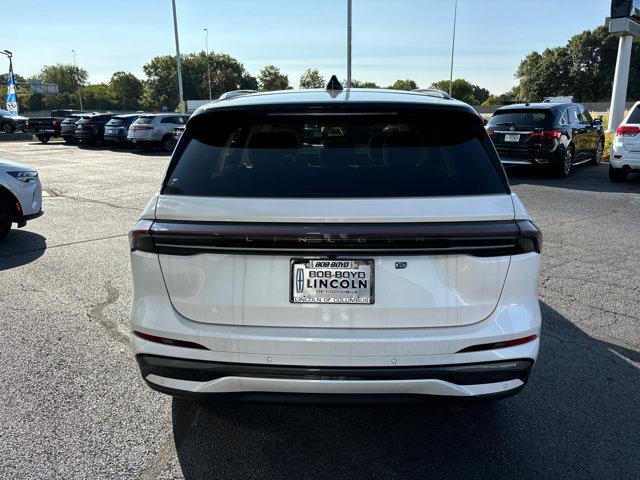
[[563, 169], [167, 143], [43, 138], [597, 156], [617, 175], [7, 128], [5, 219]]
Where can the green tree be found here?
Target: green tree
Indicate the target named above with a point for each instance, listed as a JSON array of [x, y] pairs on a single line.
[[62, 100], [404, 85], [583, 68], [67, 76], [464, 91], [161, 87], [98, 97], [271, 79], [362, 84], [311, 78], [126, 91]]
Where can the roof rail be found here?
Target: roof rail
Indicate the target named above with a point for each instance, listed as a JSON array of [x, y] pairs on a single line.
[[432, 92], [235, 93]]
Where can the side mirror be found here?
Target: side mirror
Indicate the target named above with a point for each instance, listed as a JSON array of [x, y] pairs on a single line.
[[597, 122]]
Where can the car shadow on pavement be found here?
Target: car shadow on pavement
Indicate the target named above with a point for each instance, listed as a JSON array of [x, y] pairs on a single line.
[[21, 247], [588, 178], [577, 418]]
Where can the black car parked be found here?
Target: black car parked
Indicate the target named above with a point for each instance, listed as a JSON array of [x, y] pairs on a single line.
[[555, 135], [10, 123], [68, 127], [91, 129], [116, 129]]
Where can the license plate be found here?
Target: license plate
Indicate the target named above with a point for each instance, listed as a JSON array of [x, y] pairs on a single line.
[[509, 137], [332, 281]]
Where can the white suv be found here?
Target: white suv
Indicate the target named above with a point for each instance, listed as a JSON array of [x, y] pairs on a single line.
[[625, 149], [336, 243], [20, 195], [155, 130]]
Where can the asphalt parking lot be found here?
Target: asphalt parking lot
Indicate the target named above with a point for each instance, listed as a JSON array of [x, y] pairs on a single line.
[[73, 405]]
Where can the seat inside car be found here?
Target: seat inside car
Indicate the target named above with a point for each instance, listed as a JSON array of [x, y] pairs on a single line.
[[272, 149]]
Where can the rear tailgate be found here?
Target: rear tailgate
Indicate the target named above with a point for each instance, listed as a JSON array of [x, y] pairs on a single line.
[[213, 285], [248, 198], [631, 135]]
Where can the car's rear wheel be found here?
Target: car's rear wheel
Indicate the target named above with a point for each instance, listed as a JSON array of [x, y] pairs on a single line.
[[597, 155], [5, 219], [43, 138], [7, 128], [617, 175], [563, 169], [168, 143]]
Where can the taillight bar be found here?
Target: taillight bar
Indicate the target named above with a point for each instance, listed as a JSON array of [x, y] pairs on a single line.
[[141, 127], [483, 239], [628, 130]]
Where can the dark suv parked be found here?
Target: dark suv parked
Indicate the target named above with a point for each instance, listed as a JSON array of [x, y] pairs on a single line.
[[555, 135], [116, 129], [68, 128], [91, 129]]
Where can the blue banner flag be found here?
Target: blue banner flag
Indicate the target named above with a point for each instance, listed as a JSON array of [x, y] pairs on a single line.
[[12, 98]]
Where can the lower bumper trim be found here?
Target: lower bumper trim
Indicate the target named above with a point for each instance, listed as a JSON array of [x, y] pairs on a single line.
[[182, 377]]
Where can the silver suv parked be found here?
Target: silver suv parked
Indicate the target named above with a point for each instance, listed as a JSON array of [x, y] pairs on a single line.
[[156, 130]]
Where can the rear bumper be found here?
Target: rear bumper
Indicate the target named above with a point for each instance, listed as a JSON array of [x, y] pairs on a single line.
[[629, 160], [115, 138], [82, 135], [189, 378]]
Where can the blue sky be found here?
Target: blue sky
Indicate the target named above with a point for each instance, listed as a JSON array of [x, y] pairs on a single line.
[[391, 39]]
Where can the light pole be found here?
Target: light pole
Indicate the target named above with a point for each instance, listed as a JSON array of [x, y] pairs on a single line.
[[77, 77], [178, 65], [453, 46], [206, 46], [349, 43]]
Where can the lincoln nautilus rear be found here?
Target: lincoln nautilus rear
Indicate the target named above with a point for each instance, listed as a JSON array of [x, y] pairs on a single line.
[[335, 244]]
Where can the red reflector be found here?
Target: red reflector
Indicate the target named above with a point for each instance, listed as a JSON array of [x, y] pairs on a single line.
[[169, 341], [547, 134], [493, 346], [492, 133], [628, 130]]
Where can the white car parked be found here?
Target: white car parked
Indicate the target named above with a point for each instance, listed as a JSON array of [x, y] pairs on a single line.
[[625, 150], [336, 243], [156, 130], [20, 195]]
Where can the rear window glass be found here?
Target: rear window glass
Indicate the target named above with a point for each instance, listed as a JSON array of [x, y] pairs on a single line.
[[524, 118], [144, 120], [635, 115], [120, 121], [252, 155]]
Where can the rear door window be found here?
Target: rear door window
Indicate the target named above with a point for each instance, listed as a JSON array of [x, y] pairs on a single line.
[[242, 154]]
